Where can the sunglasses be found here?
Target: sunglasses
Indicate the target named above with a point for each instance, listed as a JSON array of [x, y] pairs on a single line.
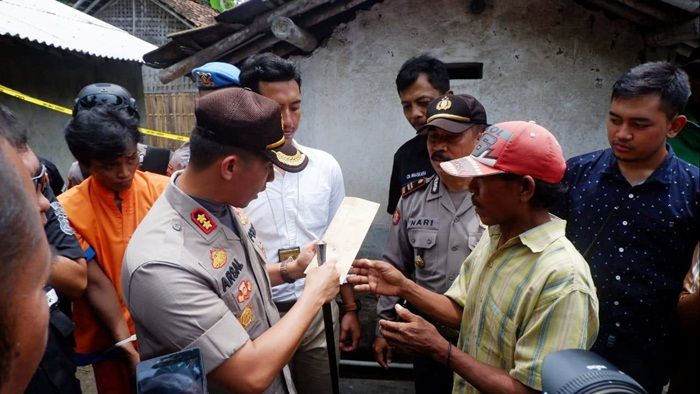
[[41, 180]]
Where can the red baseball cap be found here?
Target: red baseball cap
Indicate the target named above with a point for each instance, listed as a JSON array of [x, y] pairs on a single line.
[[522, 148]]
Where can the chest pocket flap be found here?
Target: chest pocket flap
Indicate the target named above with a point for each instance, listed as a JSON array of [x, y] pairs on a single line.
[[422, 238]]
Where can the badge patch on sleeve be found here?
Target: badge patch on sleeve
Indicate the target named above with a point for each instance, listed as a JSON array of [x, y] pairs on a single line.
[[201, 218], [218, 258], [246, 316], [245, 290], [396, 217], [62, 218]]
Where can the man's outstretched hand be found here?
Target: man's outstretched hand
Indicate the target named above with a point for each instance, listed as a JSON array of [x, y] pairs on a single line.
[[413, 335], [378, 277]]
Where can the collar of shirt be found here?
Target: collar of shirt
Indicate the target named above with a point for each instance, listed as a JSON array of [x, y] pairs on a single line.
[[186, 206], [662, 174], [437, 189], [106, 194], [537, 238]]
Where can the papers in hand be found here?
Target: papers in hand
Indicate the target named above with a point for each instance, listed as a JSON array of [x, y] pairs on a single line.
[[346, 232]]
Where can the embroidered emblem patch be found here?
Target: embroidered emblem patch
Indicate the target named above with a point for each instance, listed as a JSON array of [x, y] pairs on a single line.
[[201, 218], [444, 104], [246, 316], [205, 79], [245, 290], [396, 217], [218, 258], [62, 218]]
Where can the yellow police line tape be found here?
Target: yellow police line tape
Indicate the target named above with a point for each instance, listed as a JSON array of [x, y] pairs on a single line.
[[22, 96]]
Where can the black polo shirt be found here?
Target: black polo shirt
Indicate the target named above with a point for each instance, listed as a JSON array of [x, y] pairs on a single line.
[[56, 371], [411, 163]]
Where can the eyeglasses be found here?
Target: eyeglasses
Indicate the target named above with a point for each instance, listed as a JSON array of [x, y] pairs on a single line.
[[42, 180]]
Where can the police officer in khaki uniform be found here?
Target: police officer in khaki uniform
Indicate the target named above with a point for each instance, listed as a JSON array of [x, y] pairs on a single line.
[[194, 273], [434, 225]]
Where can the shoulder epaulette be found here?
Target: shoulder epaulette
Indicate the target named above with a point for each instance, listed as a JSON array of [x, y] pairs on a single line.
[[413, 186]]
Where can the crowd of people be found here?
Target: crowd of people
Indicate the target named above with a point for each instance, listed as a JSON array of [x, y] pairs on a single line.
[[500, 251]]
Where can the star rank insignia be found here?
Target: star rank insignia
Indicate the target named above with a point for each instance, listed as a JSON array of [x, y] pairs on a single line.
[[201, 218], [218, 258], [246, 316], [241, 215], [245, 290]]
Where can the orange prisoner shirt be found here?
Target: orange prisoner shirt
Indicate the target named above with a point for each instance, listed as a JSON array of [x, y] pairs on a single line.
[[98, 223]]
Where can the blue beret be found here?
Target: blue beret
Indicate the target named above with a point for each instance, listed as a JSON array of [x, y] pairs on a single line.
[[216, 75]]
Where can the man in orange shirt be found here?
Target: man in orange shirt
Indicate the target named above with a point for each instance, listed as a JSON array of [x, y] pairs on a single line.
[[105, 210]]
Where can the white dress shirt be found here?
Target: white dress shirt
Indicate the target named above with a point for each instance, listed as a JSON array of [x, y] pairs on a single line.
[[295, 209]]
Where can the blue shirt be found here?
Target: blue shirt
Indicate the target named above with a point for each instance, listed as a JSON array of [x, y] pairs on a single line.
[[644, 250]]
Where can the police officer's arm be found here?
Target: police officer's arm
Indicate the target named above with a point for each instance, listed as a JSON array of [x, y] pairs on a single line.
[[68, 271], [394, 186], [69, 277], [398, 252], [253, 367], [104, 301]]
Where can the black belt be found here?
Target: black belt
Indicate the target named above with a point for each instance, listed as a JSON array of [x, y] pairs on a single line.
[[285, 306]]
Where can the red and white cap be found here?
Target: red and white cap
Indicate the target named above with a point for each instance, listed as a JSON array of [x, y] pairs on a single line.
[[522, 148]]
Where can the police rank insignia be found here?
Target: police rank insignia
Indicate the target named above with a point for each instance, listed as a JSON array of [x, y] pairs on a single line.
[[201, 218], [218, 258], [241, 215], [246, 316], [245, 290]]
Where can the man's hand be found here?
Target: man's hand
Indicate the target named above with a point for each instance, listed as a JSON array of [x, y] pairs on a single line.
[[378, 277], [323, 282], [382, 352], [297, 267], [415, 336], [350, 331]]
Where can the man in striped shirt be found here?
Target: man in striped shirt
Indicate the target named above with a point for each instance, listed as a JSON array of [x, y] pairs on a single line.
[[522, 293]]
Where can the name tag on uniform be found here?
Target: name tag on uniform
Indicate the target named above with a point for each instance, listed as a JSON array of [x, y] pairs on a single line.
[[286, 253], [51, 297], [422, 222]]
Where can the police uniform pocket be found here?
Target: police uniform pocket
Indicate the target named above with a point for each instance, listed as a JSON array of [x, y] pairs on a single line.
[[498, 335], [422, 238]]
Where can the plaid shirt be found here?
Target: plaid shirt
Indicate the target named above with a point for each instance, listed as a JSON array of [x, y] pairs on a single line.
[[532, 296]]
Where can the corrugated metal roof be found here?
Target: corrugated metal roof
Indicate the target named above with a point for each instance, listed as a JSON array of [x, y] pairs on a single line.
[[52, 23]]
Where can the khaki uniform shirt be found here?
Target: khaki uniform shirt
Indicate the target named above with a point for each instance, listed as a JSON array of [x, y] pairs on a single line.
[[190, 281], [429, 239]]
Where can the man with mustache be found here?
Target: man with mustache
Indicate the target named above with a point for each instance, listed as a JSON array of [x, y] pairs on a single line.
[[522, 293], [632, 211], [434, 225]]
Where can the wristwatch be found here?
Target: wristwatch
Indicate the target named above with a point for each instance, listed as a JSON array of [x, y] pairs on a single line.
[[284, 273]]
